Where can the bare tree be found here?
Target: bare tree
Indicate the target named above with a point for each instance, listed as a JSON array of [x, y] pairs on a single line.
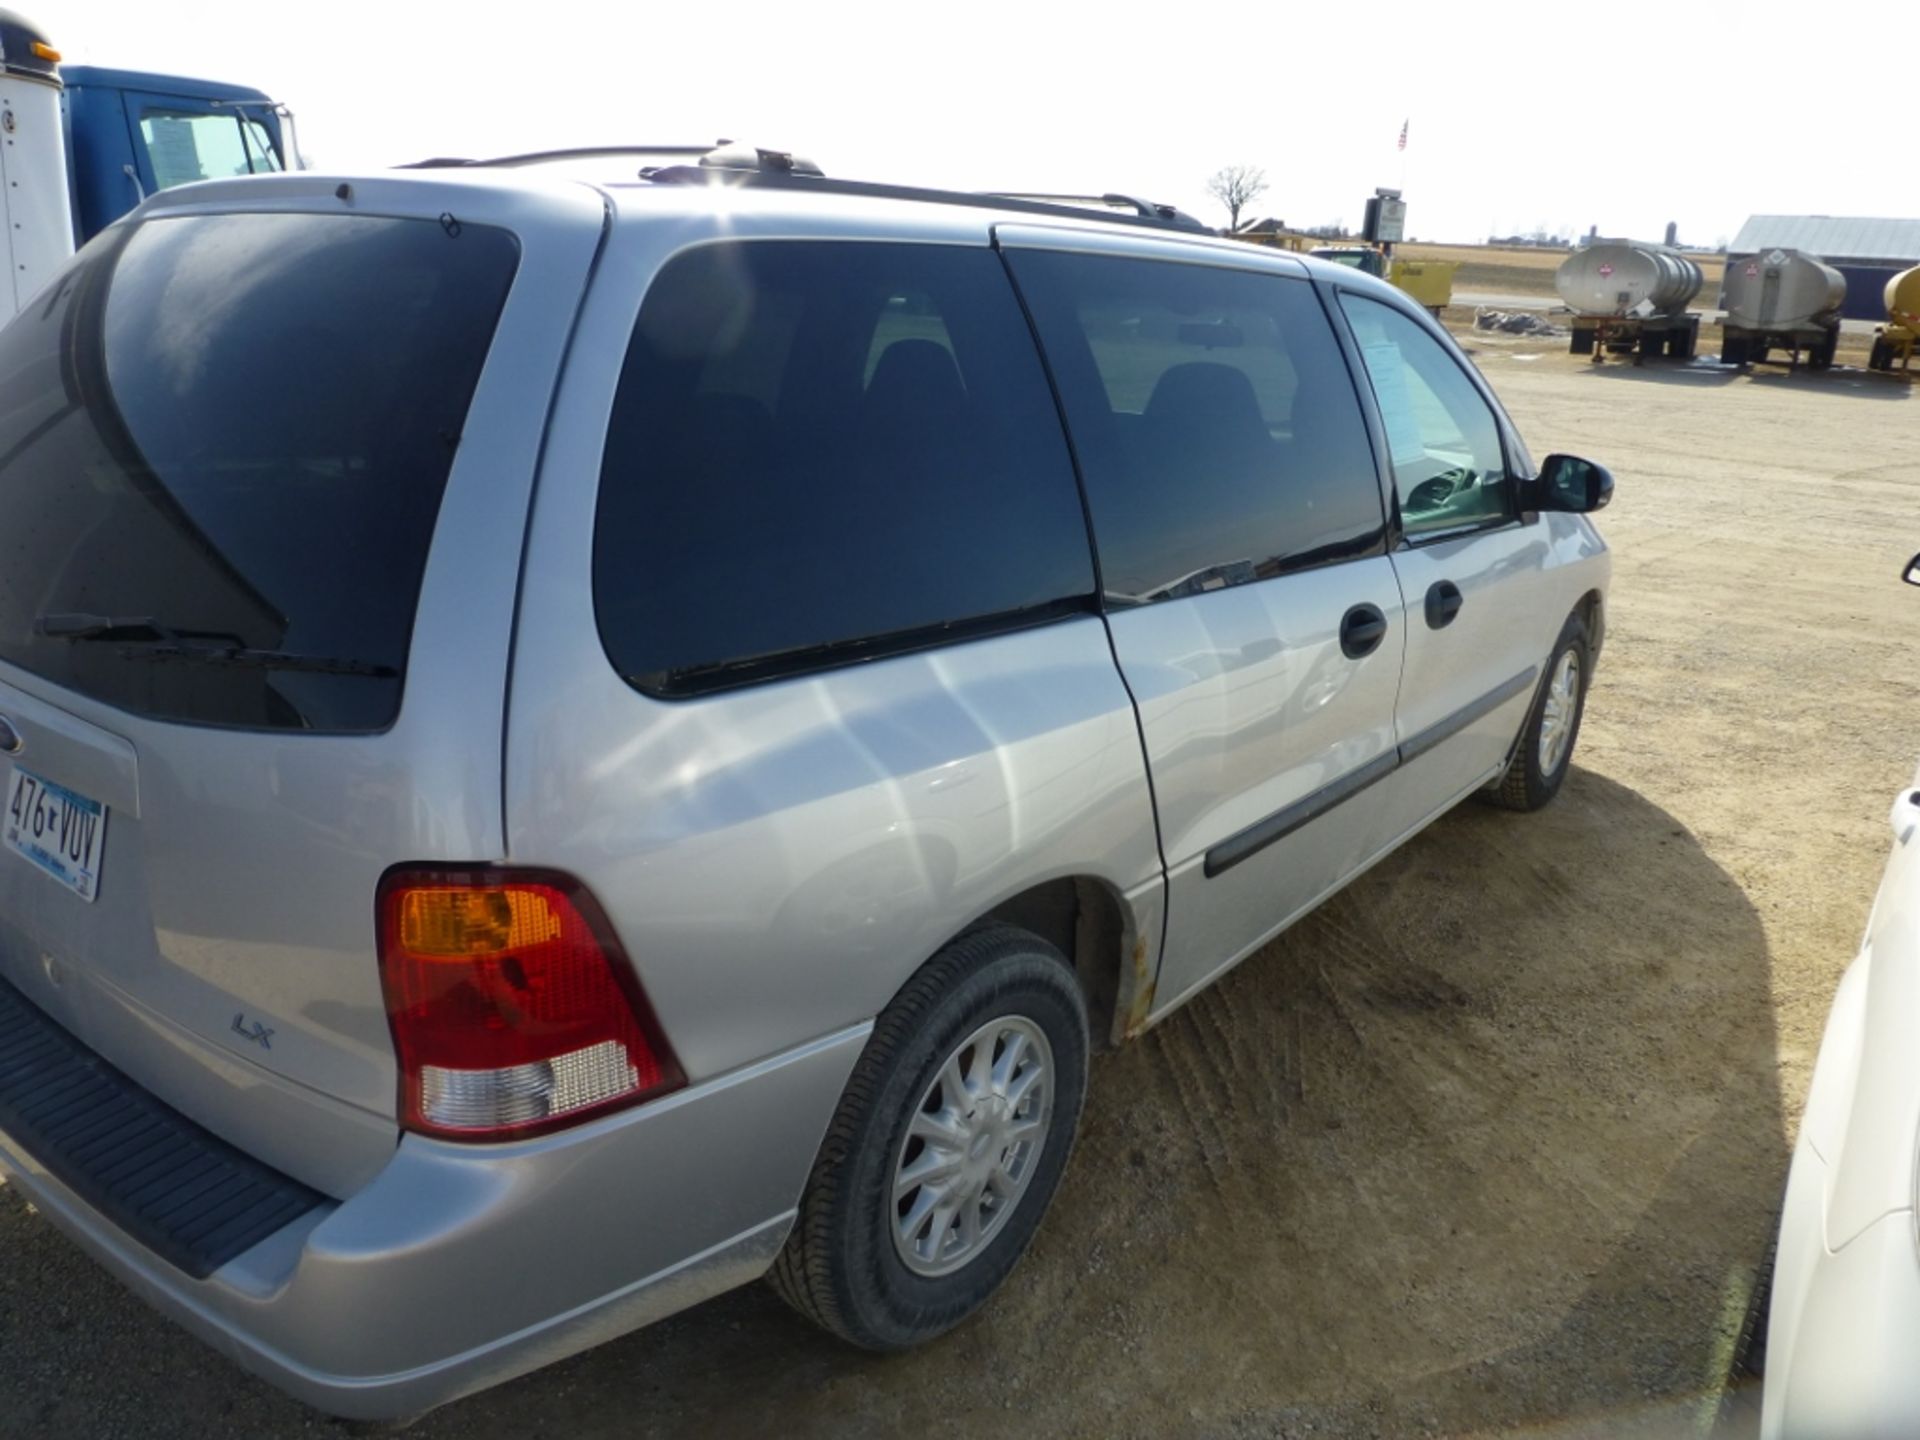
[[1236, 187]]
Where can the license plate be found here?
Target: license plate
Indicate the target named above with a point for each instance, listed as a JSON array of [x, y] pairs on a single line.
[[60, 830]]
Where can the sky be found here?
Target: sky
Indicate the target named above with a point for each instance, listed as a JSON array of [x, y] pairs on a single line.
[[1520, 116]]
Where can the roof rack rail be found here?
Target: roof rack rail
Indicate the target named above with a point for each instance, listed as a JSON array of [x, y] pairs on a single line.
[[541, 157], [1143, 213], [721, 155], [730, 162], [751, 159], [1113, 200]]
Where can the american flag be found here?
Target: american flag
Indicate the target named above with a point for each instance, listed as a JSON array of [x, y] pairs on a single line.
[[1403, 132]]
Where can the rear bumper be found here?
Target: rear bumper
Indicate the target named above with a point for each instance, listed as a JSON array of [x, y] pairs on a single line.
[[458, 1267]]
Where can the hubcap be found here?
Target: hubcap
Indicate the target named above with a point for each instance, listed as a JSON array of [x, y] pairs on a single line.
[[972, 1146], [1556, 719]]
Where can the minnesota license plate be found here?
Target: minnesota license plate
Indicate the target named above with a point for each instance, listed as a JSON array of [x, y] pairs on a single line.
[[60, 830]]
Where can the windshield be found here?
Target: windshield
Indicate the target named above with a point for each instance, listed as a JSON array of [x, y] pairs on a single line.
[[239, 426], [188, 145]]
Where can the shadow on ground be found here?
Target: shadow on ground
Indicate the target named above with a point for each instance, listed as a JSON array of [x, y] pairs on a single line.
[[1488, 1142], [1843, 381]]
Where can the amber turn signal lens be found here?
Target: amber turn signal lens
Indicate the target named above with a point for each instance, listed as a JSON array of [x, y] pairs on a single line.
[[46, 52], [454, 922]]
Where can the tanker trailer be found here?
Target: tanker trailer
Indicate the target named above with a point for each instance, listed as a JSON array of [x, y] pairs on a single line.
[[1900, 336], [1626, 295], [1782, 300]]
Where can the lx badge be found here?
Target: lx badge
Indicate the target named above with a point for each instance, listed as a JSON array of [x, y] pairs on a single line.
[[253, 1030]]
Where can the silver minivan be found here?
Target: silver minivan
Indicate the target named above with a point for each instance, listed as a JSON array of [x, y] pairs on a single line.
[[570, 740]]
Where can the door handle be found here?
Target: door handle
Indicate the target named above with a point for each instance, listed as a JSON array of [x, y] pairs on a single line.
[[1443, 603], [1361, 630]]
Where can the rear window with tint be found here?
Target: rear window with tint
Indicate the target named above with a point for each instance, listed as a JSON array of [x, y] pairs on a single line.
[[822, 452], [223, 442]]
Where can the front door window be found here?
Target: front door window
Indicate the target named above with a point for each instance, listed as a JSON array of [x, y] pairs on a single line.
[[1442, 437]]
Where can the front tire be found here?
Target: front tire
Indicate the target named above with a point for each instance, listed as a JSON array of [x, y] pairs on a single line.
[[947, 1147], [1545, 750]]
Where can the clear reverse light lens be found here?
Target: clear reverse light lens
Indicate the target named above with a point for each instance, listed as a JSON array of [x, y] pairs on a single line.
[[526, 1094]]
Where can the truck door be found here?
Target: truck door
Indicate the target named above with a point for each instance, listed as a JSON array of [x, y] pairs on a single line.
[[1238, 519], [178, 139]]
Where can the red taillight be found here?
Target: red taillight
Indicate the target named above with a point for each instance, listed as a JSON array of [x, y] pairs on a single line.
[[512, 1007]]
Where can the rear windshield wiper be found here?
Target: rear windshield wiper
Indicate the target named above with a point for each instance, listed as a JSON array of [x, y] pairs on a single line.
[[143, 638], [69, 625]]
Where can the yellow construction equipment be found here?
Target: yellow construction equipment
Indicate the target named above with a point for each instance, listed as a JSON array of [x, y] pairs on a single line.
[[1428, 282]]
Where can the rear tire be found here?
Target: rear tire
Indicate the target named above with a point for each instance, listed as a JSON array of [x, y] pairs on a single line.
[[1544, 753], [871, 1257]]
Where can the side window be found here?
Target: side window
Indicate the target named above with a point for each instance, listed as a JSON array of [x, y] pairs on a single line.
[[1217, 428], [1441, 435], [824, 451]]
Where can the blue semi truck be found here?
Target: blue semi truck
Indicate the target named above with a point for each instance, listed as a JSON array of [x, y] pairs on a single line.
[[129, 134], [83, 146]]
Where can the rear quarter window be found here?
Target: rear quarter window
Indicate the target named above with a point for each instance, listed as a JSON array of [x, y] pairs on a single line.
[[228, 435], [822, 452]]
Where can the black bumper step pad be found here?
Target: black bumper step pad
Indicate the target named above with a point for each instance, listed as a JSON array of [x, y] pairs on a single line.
[[184, 1193]]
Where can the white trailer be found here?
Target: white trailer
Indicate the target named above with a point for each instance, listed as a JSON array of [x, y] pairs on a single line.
[[35, 201]]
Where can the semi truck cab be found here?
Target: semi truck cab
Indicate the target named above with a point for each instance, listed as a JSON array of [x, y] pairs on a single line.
[[84, 145], [130, 134]]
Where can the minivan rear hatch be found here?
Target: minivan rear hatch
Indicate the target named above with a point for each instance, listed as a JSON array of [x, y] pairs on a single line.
[[263, 489]]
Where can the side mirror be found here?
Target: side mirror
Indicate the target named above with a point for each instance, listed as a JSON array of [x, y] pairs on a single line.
[[1569, 483], [1912, 575]]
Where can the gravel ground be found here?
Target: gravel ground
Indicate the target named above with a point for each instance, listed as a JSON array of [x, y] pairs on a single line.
[[1489, 1145]]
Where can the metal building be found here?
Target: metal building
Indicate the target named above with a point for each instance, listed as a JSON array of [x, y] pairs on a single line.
[[1867, 251]]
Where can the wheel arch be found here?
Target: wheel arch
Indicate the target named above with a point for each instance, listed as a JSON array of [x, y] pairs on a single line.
[[1592, 610], [1088, 920]]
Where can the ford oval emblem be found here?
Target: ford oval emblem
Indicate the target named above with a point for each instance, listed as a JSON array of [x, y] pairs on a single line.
[[10, 741]]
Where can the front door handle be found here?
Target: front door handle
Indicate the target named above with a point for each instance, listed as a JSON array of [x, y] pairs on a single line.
[[1443, 603], [1361, 630]]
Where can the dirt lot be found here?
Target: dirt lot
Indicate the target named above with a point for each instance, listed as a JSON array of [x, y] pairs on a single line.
[[1489, 1145]]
